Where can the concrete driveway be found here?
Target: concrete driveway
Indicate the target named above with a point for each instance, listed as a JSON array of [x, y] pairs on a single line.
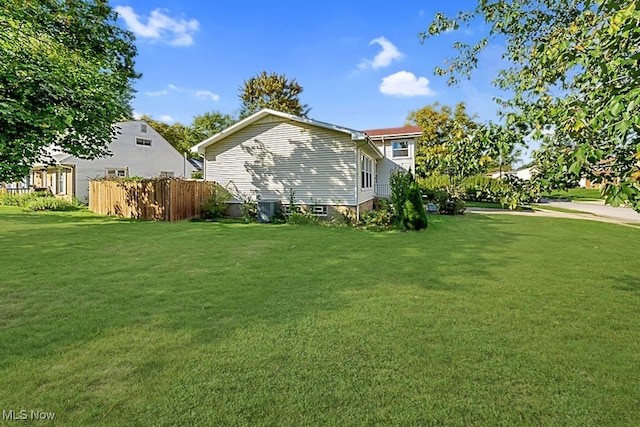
[[622, 214]]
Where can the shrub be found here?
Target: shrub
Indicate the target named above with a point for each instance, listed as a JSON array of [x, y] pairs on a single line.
[[216, 204], [508, 191], [51, 203], [302, 218], [22, 199], [249, 209], [380, 218], [449, 203], [400, 181], [414, 216]]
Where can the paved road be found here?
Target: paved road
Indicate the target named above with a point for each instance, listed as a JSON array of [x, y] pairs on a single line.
[[597, 208]]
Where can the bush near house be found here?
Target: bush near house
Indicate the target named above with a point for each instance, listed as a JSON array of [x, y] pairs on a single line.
[[414, 216], [216, 203]]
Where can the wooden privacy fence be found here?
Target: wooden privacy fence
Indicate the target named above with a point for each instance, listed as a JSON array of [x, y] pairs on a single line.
[[152, 199]]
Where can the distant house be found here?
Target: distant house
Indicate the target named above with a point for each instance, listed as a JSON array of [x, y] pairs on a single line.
[[328, 168], [522, 173], [138, 150]]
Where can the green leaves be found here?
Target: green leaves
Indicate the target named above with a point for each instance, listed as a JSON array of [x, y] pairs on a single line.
[[65, 77], [273, 91], [572, 68]]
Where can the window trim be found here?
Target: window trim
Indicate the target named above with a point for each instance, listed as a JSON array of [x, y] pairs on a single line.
[[319, 210], [315, 210], [117, 173], [394, 149], [139, 139], [366, 172]]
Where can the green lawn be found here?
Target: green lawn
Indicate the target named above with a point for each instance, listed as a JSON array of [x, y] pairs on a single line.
[[584, 194], [479, 320]]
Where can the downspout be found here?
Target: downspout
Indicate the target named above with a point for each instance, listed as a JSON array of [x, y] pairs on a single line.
[[204, 166], [357, 151]]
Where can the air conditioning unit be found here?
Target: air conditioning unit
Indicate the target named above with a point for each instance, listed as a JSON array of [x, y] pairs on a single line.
[[267, 209]]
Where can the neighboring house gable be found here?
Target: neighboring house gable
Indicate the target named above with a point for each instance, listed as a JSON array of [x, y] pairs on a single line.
[[138, 150], [271, 153]]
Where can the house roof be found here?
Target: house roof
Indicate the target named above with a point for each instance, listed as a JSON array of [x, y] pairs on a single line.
[[399, 131], [355, 134]]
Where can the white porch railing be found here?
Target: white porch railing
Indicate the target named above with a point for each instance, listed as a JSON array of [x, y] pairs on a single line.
[[382, 190], [15, 190]]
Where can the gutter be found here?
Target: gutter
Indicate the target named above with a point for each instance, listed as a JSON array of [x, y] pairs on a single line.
[[357, 151]]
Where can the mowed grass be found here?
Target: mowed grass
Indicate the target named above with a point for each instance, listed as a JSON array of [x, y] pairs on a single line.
[[578, 194], [479, 320]]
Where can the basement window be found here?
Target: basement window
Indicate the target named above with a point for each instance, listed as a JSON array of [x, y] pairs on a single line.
[[319, 210]]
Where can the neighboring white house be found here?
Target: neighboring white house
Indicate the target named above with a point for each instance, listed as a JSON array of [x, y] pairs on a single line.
[[270, 154], [398, 146], [522, 173], [138, 150]]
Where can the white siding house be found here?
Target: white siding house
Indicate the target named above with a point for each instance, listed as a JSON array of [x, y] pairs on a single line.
[[138, 150], [398, 146], [270, 154]]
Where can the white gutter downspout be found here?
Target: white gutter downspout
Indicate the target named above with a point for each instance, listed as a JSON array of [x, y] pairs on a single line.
[[357, 183], [204, 166]]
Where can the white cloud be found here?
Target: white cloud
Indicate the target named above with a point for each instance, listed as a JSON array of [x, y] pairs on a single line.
[[157, 93], [137, 115], [404, 83], [159, 26], [205, 94], [199, 93], [166, 118], [384, 58]]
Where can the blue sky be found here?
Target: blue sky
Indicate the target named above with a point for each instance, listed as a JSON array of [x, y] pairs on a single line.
[[361, 63]]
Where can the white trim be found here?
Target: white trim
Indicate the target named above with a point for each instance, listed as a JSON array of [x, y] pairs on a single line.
[[355, 135], [139, 138]]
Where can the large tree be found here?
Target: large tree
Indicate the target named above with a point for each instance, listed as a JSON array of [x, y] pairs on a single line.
[[448, 143], [206, 125], [273, 91], [571, 67], [66, 72]]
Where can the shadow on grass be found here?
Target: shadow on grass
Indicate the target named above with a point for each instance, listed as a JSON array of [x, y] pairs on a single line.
[[87, 273], [627, 283]]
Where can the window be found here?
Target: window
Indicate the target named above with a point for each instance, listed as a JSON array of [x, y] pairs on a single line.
[[315, 210], [401, 149], [143, 141], [62, 182], [319, 210], [143, 128], [366, 172], [116, 173], [166, 174]]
